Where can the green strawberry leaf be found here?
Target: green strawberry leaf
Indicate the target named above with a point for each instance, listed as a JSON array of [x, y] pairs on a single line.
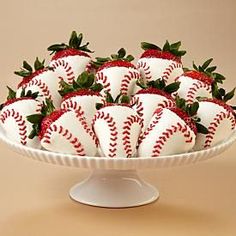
[[171, 88], [229, 95], [146, 46], [27, 66], [35, 118], [201, 128], [11, 93], [207, 63]]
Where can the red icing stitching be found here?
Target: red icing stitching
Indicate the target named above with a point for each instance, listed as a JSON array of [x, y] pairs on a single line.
[[132, 75], [68, 70], [127, 132], [212, 128], [113, 131], [191, 95], [160, 142], [135, 101], [170, 69], [146, 69], [41, 85], [67, 135], [19, 121], [100, 77], [80, 115]]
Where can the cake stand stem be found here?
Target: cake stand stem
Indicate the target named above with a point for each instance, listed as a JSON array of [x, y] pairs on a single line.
[[114, 189]]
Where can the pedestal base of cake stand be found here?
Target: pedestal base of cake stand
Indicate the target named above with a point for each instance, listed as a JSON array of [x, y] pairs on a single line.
[[114, 189]]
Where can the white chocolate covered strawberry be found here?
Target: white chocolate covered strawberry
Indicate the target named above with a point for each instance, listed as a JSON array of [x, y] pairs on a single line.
[[117, 127], [219, 118], [117, 74], [198, 82], [170, 131], [64, 131], [71, 59], [163, 63], [43, 80], [13, 118], [155, 95], [83, 94]]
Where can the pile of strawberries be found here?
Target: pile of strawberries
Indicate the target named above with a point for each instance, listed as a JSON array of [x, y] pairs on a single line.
[[110, 107]]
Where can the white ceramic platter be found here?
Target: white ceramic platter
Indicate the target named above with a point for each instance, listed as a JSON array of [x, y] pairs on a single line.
[[114, 182]]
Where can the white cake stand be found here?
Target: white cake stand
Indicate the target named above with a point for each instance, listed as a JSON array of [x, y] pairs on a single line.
[[114, 182]]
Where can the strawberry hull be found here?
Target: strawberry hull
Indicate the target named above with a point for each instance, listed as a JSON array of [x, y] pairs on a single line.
[[70, 134], [118, 77], [166, 134], [117, 129], [152, 68], [14, 123], [46, 83], [86, 104], [69, 64], [192, 87], [220, 121]]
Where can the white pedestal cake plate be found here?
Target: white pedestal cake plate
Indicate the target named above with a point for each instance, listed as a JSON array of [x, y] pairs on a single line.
[[114, 182]]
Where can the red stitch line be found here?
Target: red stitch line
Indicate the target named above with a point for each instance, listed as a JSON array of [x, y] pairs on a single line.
[[41, 85], [125, 83], [146, 69], [103, 80], [126, 132], [19, 121], [191, 95], [160, 142], [215, 123], [113, 131], [170, 69], [67, 135], [80, 115], [68, 70]]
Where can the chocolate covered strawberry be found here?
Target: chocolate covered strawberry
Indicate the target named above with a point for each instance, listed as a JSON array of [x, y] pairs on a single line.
[[218, 117], [64, 131], [117, 74], [39, 79], [13, 117], [152, 96], [162, 63], [117, 127], [82, 95], [171, 131], [70, 60], [198, 82]]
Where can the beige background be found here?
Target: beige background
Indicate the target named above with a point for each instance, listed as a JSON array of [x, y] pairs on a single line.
[[195, 200]]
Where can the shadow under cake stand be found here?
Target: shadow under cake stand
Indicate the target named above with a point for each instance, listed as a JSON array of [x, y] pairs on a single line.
[[114, 182]]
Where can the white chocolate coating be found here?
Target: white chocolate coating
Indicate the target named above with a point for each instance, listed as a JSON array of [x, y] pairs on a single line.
[[117, 129], [155, 68], [166, 134], [190, 89], [69, 134], [219, 121], [118, 79], [86, 102], [14, 123], [47, 84]]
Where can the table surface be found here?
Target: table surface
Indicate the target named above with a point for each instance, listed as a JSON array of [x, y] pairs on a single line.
[[194, 200]]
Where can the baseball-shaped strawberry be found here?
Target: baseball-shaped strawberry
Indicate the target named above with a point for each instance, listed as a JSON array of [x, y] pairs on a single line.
[[218, 117], [82, 95], [64, 131], [13, 117], [152, 96], [162, 63], [43, 80], [71, 59], [198, 82], [170, 131], [117, 127], [117, 74]]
